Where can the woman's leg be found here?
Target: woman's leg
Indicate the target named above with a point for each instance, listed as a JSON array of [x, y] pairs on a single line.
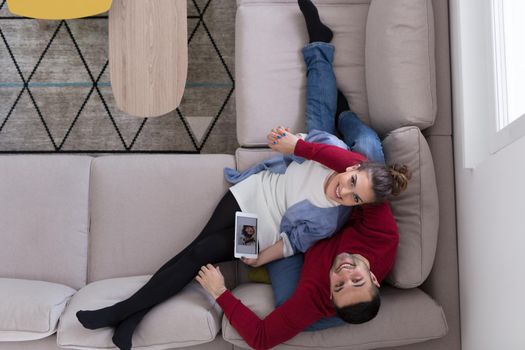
[[123, 335], [163, 285], [223, 217], [213, 245]]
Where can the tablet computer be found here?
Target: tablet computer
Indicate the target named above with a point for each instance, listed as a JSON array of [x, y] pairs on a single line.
[[246, 244]]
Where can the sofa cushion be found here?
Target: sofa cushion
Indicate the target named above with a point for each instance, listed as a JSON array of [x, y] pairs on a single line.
[[44, 218], [150, 206], [191, 317], [270, 75], [29, 309], [384, 63], [405, 317], [400, 64], [416, 209]]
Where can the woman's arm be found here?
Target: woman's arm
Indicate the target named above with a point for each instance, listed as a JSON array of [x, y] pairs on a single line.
[[273, 252]]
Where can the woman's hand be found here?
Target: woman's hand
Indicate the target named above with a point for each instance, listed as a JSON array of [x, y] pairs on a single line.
[[251, 262], [281, 140], [273, 252], [211, 279]]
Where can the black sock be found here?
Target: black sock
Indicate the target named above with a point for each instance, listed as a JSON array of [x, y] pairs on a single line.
[[342, 106], [100, 318], [317, 31], [124, 332]]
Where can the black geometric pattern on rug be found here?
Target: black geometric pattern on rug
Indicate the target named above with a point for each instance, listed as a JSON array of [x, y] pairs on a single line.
[[176, 132]]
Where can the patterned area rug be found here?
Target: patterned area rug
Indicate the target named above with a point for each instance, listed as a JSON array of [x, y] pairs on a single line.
[[55, 92]]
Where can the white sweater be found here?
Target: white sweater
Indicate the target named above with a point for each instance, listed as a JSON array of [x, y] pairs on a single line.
[[269, 195]]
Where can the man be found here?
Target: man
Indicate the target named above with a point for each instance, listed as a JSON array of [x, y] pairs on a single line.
[[340, 275]]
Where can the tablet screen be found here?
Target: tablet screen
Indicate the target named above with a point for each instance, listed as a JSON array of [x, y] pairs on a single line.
[[246, 235]]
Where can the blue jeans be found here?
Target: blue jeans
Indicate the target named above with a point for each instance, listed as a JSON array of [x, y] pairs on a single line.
[[321, 106]]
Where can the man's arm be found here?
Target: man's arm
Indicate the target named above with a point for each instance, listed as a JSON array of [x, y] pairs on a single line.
[[283, 323], [333, 157]]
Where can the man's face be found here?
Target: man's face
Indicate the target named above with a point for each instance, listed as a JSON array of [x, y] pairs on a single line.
[[351, 280]]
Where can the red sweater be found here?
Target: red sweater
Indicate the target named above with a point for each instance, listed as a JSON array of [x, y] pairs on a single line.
[[371, 232]]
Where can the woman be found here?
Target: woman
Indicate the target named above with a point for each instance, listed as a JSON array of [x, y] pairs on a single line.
[[306, 188], [214, 244]]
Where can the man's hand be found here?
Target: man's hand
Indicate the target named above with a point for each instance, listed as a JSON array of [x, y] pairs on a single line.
[[211, 279], [281, 140]]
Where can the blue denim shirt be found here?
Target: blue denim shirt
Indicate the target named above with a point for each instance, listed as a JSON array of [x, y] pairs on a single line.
[[303, 223]]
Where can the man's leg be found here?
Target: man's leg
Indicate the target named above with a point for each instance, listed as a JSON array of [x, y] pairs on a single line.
[[360, 137], [321, 90], [284, 275], [317, 30], [321, 104]]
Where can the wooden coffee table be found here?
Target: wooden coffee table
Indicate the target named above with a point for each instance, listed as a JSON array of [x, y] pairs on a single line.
[[148, 55]]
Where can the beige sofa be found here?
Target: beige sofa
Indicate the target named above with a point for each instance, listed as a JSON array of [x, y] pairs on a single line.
[[83, 232]]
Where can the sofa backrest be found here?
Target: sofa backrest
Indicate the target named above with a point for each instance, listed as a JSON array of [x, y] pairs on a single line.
[[44, 218], [384, 63], [145, 209], [270, 74]]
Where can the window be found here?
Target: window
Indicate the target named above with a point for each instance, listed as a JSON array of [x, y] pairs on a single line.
[[509, 71], [488, 76]]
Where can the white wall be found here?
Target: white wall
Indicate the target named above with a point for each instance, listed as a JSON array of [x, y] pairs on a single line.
[[491, 244], [490, 193]]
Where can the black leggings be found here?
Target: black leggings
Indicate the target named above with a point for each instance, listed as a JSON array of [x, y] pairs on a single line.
[[213, 245]]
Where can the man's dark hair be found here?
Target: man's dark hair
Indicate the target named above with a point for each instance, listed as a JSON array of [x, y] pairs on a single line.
[[360, 312]]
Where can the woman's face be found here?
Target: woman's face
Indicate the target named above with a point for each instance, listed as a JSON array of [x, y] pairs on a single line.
[[353, 187], [249, 230]]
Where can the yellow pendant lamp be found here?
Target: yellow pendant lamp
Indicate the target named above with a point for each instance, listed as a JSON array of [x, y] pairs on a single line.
[[58, 9]]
